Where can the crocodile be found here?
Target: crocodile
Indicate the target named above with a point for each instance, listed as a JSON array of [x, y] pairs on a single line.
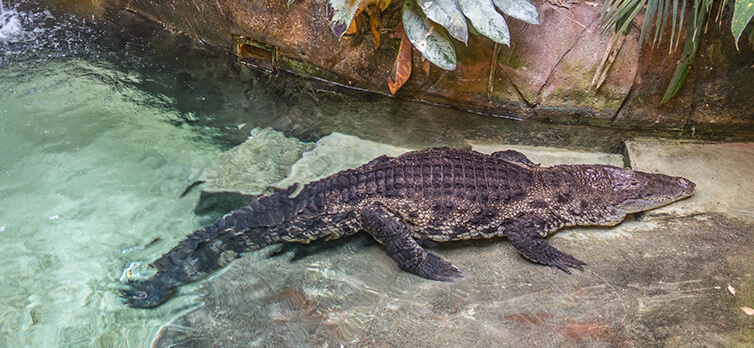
[[435, 194]]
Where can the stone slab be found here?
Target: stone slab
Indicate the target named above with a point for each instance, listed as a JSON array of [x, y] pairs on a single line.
[[266, 156], [550, 156], [723, 173], [268, 159], [659, 281], [334, 153]]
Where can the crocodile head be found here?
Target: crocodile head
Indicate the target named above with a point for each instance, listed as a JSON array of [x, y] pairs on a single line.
[[634, 191]]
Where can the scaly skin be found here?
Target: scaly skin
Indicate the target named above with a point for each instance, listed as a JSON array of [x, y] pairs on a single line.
[[438, 194]]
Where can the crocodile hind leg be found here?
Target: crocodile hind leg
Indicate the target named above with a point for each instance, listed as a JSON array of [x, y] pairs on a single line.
[[387, 229], [532, 245]]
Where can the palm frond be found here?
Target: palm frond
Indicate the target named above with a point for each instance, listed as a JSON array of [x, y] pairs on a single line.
[[619, 14], [698, 24], [673, 42]]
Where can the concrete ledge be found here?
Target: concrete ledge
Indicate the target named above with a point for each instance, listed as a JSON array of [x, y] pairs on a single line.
[[658, 281], [724, 173]]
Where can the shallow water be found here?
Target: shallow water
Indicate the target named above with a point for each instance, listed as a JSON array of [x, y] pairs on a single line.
[[92, 168]]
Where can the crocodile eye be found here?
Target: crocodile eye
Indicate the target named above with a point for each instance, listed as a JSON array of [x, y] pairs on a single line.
[[625, 185]]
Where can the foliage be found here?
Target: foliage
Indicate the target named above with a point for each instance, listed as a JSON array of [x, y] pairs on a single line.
[[449, 15], [341, 13], [619, 14], [427, 24], [742, 14], [427, 37], [403, 65], [693, 38], [427, 21]]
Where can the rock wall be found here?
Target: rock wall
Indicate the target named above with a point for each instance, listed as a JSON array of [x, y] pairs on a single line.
[[545, 75]]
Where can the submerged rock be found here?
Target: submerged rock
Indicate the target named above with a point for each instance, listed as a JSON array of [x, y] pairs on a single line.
[[247, 170], [268, 159]]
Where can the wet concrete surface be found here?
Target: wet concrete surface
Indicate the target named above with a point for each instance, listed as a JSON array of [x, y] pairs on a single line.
[[658, 279]]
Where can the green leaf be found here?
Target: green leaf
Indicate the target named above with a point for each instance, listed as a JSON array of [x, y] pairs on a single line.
[[448, 14], [742, 13], [519, 9], [649, 16], [428, 37], [340, 13], [290, 2], [672, 28], [486, 20], [680, 24], [660, 26], [693, 37], [628, 17], [620, 14]]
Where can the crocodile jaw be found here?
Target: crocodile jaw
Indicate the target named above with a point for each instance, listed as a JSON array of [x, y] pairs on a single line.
[[683, 188]]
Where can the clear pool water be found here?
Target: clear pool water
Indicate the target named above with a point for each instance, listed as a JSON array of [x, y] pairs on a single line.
[[96, 150]]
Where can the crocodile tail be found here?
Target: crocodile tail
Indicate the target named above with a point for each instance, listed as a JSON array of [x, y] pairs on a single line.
[[198, 255], [149, 293], [210, 249]]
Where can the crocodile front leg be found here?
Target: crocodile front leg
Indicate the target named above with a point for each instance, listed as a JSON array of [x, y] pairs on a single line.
[[524, 235], [387, 229]]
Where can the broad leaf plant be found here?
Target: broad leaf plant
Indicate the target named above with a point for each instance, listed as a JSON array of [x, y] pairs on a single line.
[[429, 26]]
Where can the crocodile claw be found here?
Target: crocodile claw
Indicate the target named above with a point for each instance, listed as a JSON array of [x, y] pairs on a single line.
[[435, 268], [563, 261]]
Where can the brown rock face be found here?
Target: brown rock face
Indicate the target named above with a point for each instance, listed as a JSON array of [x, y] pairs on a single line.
[[546, 74]]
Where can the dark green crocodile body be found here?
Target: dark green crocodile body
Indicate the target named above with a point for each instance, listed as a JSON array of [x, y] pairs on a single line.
[[437, 194]]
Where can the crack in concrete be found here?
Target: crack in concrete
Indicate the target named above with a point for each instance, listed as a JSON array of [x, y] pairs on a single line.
[[529, 103], [624, 101], [499, 67], [339, 59], [632, 89], [562, 57]]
